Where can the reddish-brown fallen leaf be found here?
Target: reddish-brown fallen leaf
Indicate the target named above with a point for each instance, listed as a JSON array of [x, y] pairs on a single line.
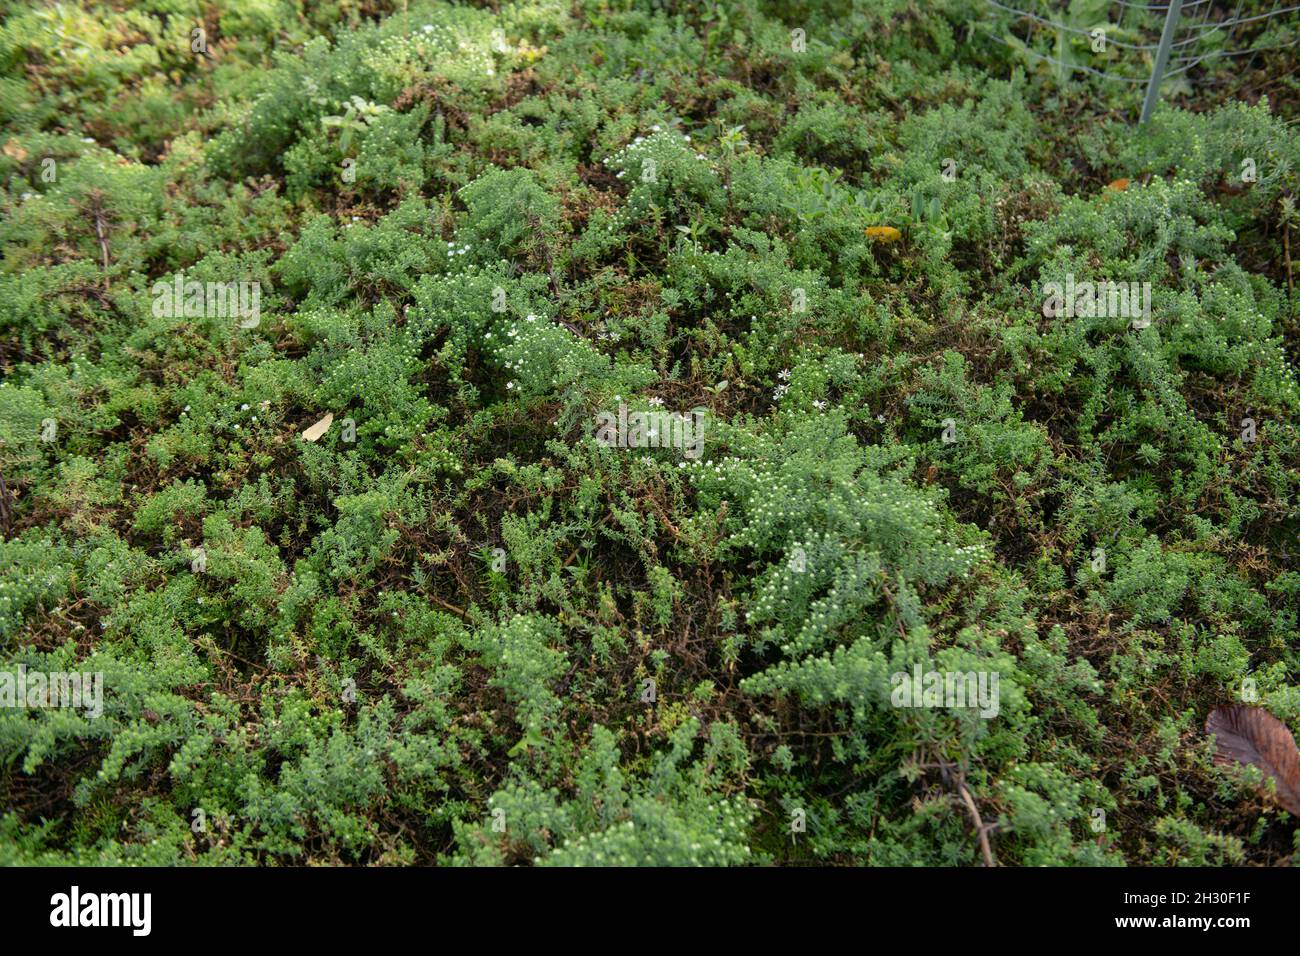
[[1251, 735], [1119, 185], [320, 428]]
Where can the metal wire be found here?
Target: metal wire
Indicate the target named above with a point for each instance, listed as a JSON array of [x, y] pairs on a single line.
[[1158, 7], [1072, 66], [1065, 27], [1196, 27]]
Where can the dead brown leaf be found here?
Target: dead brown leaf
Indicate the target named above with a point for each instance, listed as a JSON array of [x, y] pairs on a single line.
[[315, 432], [1251, 735]]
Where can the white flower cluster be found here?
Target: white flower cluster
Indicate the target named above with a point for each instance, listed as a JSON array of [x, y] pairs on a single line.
[[633, 155], [644, 161], [536, 352]]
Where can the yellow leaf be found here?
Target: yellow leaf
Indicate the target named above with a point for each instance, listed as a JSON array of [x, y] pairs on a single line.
[[884, 233], [320, 428]]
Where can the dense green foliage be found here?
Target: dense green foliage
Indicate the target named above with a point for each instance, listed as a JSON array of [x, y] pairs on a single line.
[[470, 633]]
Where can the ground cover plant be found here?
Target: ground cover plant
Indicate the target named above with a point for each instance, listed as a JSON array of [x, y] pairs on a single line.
[[580, 433]]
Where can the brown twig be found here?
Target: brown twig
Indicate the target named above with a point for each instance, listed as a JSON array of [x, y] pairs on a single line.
[[6, 515], [981, 831], [1286, 251], [450, 607], [959, 781], [97, 212], [103, 242]]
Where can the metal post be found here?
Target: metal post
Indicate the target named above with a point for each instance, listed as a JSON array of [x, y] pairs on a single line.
[[1162, 59]]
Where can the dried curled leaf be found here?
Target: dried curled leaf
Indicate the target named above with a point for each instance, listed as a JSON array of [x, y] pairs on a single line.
[[1251, 735], [320, 428], [884, 233], [1119, 185]]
